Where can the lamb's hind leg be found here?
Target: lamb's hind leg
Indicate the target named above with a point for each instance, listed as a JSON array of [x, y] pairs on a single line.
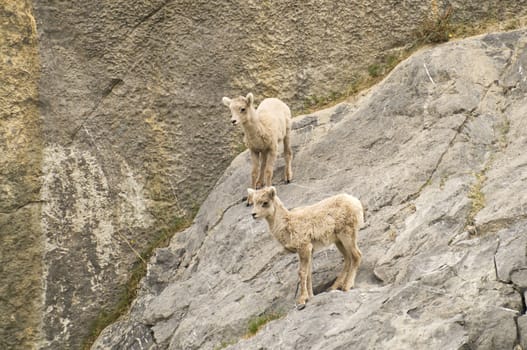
[[339, 282], [349, 241], [288, 156]]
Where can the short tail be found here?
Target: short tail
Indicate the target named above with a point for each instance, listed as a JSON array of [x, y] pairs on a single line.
[[359, 210], [362, 216]]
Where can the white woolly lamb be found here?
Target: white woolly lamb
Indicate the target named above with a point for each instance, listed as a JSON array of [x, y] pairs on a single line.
[[333, 220], [264, 127]]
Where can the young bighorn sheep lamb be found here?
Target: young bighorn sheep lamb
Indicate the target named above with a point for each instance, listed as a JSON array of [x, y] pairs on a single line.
[[264, 127], [333, 220]]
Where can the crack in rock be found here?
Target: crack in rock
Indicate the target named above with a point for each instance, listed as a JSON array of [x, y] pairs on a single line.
[[195, 256], [458, 131]]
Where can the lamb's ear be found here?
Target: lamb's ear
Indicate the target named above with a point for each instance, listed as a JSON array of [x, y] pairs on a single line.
[[250, 191], [272, 192], [249, 98], [226, 101]]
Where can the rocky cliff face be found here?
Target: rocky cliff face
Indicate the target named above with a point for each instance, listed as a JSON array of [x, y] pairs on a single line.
[[436, 152], [129, 133], [20, 170]]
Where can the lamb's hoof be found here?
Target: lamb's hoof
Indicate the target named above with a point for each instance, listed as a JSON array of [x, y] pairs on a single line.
[[338, 288], [287, 182], [300, 306]]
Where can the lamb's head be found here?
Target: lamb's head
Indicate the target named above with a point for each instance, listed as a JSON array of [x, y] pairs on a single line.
[[240, 107], [263, 202]]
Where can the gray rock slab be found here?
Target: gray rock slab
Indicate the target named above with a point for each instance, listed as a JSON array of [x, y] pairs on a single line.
[[418, 150], [522, 328]]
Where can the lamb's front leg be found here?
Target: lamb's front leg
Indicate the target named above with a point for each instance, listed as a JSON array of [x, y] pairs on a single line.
[[263, 164], [304, 254], [270, 158], [255, 160]]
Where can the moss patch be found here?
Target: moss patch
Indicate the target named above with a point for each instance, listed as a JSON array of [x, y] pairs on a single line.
[[503, 133], [477, 197], [256, 323]]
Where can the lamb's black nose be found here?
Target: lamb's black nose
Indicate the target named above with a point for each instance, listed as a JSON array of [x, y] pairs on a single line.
[[233, 122], [254, 215]]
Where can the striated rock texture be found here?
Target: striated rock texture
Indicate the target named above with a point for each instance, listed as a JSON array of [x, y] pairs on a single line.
[[437, 154], [20, 170]]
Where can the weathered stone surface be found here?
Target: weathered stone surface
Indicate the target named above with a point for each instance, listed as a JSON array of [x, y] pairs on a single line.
[[522, 326], [511, 255], [442, 133], [20, 168], [131, 133]]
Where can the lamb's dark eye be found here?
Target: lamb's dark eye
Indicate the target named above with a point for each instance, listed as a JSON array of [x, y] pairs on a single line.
[[265, 204], [242, 110]]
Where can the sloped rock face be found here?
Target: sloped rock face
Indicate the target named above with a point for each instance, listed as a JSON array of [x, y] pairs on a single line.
[[436, 153]]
